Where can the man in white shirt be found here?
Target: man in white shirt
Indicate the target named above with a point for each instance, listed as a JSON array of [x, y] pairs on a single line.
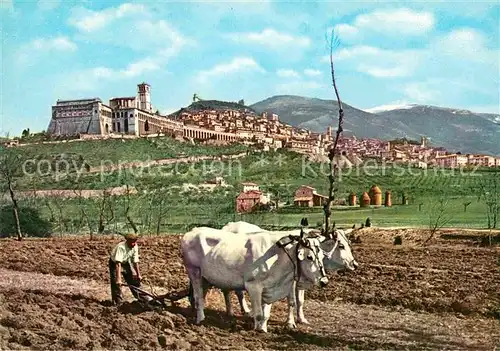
[[124, 262]]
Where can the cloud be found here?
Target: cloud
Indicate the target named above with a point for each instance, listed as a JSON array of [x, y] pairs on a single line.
[[271, 38], [379, 72], [378, 62], [389, 22], [468, 43], [88, 79], [346, 31], [34, 50], [298, 87], [57, 44], [47, 5], [6, 5], [287, 73], [422, 92], [237, 64], [133, 24], [90, 21], [130, 26], [312, 72]]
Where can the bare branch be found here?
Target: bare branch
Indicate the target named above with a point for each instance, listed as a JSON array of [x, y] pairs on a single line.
[[438, 218], [334, 43]]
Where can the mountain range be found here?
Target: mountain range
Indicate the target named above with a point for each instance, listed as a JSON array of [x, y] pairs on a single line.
[[455, 129]]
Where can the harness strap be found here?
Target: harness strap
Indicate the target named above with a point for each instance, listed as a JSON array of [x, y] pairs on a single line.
[[295, 267], [299, 267]]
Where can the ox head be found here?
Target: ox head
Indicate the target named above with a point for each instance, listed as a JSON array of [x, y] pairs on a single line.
[[337, 251], [310, 259]]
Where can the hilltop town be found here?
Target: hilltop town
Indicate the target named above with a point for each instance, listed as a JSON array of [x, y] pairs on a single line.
[[217, 122]]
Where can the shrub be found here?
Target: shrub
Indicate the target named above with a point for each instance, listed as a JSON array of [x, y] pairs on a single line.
[[31, 222], [368, 222], [398, 240]]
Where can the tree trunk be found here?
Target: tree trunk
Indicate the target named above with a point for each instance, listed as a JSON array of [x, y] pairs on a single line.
[[334, 168], [495, 217], [158, 223], [15, 210]]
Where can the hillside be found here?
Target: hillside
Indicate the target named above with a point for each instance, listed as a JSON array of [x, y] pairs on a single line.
[[212, 105], [314, 114], [458, 130]]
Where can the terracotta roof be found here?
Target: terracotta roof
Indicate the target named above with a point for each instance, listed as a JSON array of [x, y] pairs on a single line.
[[307, 186], [253, 194], [323, 196]]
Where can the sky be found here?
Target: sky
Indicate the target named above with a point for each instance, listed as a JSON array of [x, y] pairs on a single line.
[[439, 53]]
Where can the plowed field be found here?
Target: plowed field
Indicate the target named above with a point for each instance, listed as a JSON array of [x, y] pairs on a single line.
[[54, 292]]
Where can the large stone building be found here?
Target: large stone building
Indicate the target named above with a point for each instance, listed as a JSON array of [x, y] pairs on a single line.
[[84, 116], [132, 115]]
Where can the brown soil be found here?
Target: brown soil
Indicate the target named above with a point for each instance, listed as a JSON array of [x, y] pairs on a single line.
[[443, 296]]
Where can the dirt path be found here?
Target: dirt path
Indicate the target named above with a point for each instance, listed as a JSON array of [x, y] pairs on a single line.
[[47, 311]]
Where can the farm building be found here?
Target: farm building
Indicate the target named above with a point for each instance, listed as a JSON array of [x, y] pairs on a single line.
[[306, 196], [247, 200], [248, 186], [9, 142]]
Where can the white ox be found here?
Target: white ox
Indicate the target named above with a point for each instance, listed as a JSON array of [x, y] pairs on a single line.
[[262, 264], [331, 263], [240, 227]]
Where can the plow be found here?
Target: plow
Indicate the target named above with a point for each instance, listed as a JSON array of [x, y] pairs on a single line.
[[151, 298]]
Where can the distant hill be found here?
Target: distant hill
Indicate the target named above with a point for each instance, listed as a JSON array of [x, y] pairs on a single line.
[[454, 129], [314, 114], [212, 105]]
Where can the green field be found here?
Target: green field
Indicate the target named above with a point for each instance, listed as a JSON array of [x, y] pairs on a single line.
[[161, 202], [93, 152]]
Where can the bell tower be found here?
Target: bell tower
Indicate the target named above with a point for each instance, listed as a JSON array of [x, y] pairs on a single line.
[[144, 95]]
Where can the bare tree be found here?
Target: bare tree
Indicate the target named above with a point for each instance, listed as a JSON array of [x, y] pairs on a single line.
[[79, 194], [439, 217], [127, 210], [10, 170], [52, 215], [105, 205], [334, 42], [466, 204], [489, 193], [160, 201]]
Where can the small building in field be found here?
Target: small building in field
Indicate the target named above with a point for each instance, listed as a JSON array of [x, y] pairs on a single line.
[[249, 186], [9, 142], [306, 196], [247, 200]]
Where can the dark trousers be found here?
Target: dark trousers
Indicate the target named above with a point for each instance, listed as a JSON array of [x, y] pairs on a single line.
[[116, 291]]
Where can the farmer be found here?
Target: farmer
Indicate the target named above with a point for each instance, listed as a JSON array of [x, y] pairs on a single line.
[[124, 262]]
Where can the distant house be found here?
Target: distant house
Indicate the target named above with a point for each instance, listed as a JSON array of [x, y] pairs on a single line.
[[217, 181], [213, 183], [9, 142], [247, 200], [248, 186], [306, 196]]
